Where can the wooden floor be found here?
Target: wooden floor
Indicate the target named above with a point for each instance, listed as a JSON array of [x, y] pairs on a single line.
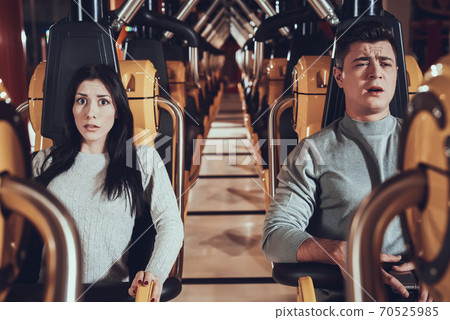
[[223, 260]]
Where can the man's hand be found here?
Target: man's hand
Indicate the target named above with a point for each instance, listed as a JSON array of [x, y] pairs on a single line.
[[334, 252], [390, 279], [424, 296]]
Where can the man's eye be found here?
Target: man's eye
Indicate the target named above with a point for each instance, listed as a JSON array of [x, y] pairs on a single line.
[[103, 102], [384, 64], [81, 100]]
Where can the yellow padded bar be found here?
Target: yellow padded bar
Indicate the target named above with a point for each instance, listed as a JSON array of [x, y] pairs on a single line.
[[144, 294], [305, 290], [427, 145]]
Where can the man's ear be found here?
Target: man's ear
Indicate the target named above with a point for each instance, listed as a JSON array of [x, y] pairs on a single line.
[[338, 76]]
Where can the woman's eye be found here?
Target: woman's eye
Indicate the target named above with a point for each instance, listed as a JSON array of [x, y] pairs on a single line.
[[81, 100], [103, 102]]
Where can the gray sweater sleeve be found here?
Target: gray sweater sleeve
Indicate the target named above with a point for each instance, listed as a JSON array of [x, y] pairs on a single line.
[[164, 210], [289, 212]]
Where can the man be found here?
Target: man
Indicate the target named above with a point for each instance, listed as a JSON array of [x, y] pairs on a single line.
[[328, 174]]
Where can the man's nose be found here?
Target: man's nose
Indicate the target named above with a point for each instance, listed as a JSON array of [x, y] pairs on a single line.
[[374, 70]]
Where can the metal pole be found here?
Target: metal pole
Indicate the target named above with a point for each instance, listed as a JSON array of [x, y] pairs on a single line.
[[248, 12], [201, 22], [270, 11], [211, 25], [125, 13], [182, 14]]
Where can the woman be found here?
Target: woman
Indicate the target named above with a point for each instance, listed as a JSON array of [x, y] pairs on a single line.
[[90, 175]]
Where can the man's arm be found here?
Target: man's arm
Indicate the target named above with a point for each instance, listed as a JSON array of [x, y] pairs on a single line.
[[289, 212], [323, 250]]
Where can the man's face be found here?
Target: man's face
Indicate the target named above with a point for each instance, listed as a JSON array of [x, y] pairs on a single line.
[[368, 78]]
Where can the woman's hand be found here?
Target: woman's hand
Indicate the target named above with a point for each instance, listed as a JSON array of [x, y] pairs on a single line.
[[144, 279]]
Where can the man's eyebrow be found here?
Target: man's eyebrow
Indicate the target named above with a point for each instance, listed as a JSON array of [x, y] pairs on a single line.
[[367, 58]]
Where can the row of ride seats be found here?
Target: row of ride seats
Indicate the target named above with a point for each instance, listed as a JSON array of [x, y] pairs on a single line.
[[429, 225], [198, 98]]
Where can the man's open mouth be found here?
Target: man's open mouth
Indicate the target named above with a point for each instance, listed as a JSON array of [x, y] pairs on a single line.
[[375, 89]]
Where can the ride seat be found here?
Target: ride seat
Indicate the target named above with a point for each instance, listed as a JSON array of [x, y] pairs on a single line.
[[307, 122], [24, 205], [422, 189]]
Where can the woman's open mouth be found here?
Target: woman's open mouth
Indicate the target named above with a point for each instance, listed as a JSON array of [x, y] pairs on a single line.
[[91, 127], [375, 91]]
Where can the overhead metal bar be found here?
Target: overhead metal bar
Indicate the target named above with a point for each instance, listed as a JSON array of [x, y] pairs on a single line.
[[238, 25], [214, 31], [200, 23], [182, 14], [224, 37], [248, 12], [211, 25], [242, 21], [270, 11], [186, 9], [125, 13], [325, 10], [236, 35], [223, 34]]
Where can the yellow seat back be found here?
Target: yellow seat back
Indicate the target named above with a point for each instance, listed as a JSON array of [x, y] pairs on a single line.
[[414, 75], [176, 73], [310, 77], [276, 71], [140, 81], [35, 102]]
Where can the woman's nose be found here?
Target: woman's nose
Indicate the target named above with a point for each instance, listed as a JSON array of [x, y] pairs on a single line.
[[91, 111]]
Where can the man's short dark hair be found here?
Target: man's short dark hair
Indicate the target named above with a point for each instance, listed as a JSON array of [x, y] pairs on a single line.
[[370, 31]]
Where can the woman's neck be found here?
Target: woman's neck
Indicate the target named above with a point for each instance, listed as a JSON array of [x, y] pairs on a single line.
[[94, 148]]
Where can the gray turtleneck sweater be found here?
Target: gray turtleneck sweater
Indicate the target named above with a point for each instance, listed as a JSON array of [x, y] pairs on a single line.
[[324, 180], [105, 226]]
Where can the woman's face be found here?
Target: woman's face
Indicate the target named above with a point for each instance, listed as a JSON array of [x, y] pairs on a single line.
[[94, 112]]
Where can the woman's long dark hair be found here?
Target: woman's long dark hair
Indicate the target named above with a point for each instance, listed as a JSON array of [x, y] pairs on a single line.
[[120, 178]]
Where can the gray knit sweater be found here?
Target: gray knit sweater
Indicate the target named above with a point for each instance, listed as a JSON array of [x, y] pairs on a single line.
[[324, 180], [105, 227]]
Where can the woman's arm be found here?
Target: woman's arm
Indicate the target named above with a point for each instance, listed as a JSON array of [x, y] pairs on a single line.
[[165, 213]]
